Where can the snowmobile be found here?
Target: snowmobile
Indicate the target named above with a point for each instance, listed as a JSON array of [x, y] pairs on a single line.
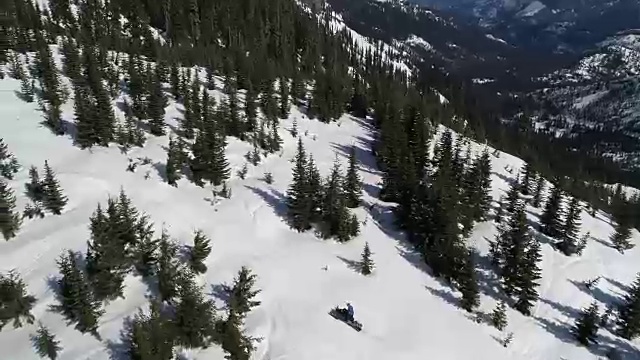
[[343, 315]]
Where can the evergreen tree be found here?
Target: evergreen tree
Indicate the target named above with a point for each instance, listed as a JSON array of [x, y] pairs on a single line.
[[527, 179], [9, 165], [527, 280], [199, 252], [315, 193], [150, 336], [145, 251], [195, 317], [499, 316], [10, 220], [156, 107], [168, 268], [27, 89], [336, 218], [45, 343], [468, 284], [352, 184], [241, 295], [537, 193], [15, 302], [586, 327], [568, 244], [550, 219], [174, 163], [76, 300], [236, 344], [53, 198], [284, 98], [298, 197], [620, 238], [366, 263], [629, 313]]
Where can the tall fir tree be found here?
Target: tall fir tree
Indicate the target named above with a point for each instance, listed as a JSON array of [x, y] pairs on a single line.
[[53, 198], [76, 300], [195, 317], [537, 192], [586, 327], [551, 218], [499, 316], [298, 197], [167, 268], [150, 335], [569, 236], [10, 220], [242, 293], [45, 343], [629, 313], [199, 252], [15, 303], [366, 263], [156, 107], [352, 183]]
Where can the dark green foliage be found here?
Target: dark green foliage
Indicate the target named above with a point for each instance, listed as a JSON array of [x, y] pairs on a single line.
[[77, 302], [241, 294], [8, 162], [569, 236], [52, 198], [551, 218], [366, 263], [352, 184], [629, 313], [537, 193], [199, 252], [499, 316], [50, 81], [268, 178], [195, 317], [586, 327], [527, 179], [10, 220], [167, 268], [236, 344], [336, 219], [156, 105], [516, 255], [298, 199], [145, 253], [175, 161], [150, 336], [45, 343], [468, 285], [15, 302]]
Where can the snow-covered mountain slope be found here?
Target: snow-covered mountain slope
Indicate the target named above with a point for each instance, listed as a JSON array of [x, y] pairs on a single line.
[[406, 313]]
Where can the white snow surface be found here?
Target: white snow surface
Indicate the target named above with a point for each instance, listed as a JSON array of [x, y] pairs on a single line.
[[494, 38], [406, 313], [418, 41], [533, 8]]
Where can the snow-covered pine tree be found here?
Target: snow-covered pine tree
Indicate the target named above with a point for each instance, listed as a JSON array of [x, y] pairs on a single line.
[[10, 220], [150, 335], [15, 302], [352, 184], [366, 263], [499, 316], [76, 300], [529, 274], [145, 250], [298, 197], [45, 343], [569, 235], [199, 252], [513, 197], [551, 218], [582, 244], [629, 312], [195, 317], [586, 327], [53, 198]]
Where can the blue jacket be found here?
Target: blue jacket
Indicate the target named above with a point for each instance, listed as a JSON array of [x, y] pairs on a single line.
[[350, 310]]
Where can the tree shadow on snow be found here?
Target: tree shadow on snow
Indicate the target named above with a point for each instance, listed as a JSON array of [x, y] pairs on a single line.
[[603, 242], [351, 264], [274, 198], [597, 293], [161, 169], [445, 295], [565, 310], [118, 350], [625, 288], [371, 190], [561, 331], [365, 158], [488, 281]]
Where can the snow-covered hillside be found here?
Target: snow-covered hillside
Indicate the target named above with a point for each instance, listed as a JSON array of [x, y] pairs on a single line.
[[406, 313]]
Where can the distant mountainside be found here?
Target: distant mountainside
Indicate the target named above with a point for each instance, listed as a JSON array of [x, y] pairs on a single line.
[[552, 25]]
